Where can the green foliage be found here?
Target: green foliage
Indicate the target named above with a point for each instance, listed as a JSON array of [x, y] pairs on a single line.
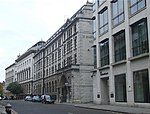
[[14, 88], [1, 91]]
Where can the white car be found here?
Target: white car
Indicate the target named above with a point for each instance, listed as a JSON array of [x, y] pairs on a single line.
[[47, 99], [0, 98]]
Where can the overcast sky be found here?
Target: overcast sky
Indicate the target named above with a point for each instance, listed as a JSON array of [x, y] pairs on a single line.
[[25, 22]]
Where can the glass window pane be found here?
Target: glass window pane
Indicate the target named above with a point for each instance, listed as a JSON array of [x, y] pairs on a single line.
[[115, 9], [141, 86], [121, 18], [120, 88], [141, 4], [120, 6], [133, 2], [134, 9]]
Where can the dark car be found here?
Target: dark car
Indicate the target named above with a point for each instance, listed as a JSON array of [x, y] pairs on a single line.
[[36, 98], [47, 99], [28, 98]]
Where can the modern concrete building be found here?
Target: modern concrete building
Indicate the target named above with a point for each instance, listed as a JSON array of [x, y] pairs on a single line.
[[24, 68], [62, 68], [122, 44]]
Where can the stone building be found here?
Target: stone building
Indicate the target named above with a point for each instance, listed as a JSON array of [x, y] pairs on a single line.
[[122, 62], [62, 68], [10, 74], [24, 68]]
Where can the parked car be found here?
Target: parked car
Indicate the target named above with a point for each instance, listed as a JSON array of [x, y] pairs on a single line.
[[0, 98], [28, 98], [5, 98], [36, 98], [47, 99]]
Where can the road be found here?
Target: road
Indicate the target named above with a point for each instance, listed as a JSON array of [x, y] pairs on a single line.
[[26, 107]]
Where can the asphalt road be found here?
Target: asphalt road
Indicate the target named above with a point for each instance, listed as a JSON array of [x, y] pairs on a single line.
[[26, 107]]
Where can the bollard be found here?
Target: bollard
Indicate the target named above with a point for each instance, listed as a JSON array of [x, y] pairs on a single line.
[[8, 108]]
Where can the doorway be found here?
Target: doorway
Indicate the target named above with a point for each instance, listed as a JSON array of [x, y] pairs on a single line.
[[105, 90]]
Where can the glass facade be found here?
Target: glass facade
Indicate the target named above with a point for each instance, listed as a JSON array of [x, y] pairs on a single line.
[[120, 88], [136, 5], [141, 86], [117, 12], [119, 46], [140, 38], [104, 52]]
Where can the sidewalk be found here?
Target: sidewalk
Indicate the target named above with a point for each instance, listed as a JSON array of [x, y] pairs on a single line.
[[2, 110], [113, 108]]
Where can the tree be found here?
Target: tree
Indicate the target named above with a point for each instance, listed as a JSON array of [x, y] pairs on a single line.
[[1, 89], [14, 88]]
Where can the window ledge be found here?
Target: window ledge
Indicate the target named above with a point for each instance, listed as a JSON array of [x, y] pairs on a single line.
[[118, 63], [104, 67], [139, 57]]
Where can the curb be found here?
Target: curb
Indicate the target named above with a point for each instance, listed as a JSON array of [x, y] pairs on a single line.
[[104, 109]]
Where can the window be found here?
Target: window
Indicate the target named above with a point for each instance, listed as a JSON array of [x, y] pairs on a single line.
[[59, 54], [136, 5], [75, 28], [64, 49], [52, 57], [69, 60], [140, 38], [55, 56], [59, 66], [75, 58], [117, 12], [59, 42], [104, 52], [75, 42], [120, 88], [103, 18], [119, 46], [141, 86]]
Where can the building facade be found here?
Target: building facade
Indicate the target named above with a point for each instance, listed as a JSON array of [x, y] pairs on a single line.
[[63, 67], [24, 68], [122, 62], [10, 74]]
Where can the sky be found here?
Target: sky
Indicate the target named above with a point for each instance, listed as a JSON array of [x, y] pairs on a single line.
[[25, 22]]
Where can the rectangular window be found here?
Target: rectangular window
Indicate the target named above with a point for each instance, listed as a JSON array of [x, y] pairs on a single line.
[[140, 37], [120, 88], [104, 52], [119, 46], [75, 42], [59, 54], [117, 12], [136, 5], [103, 18], [141, 86]]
